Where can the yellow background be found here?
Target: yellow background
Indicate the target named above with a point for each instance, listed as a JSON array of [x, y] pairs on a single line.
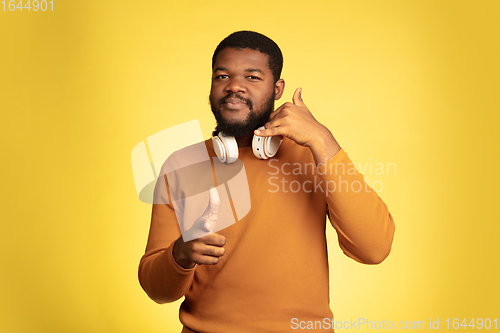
[[415, 83]]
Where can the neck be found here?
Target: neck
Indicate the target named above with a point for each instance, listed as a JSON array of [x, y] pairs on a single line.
[[245, 141]]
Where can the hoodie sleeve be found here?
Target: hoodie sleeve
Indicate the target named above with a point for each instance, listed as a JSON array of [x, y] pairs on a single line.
[[159, 275], [364, 225]]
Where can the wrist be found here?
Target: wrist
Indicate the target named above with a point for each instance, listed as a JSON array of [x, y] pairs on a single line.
[[179, 257], [324, 147]]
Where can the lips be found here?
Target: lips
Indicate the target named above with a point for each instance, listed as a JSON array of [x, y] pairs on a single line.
[[234, 103]]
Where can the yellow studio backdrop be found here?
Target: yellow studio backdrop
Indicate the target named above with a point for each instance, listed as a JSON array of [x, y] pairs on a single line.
[[411, 86]]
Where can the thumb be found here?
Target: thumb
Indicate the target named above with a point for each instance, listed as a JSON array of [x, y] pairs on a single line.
[[212, 209], [297, 97], [213, 202]]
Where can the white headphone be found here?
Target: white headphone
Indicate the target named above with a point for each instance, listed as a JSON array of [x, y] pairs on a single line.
[[263, 147]]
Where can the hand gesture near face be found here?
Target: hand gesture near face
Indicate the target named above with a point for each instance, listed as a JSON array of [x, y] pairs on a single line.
[[296, 122]]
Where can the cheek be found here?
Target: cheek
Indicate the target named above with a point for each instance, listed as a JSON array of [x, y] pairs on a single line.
[[213, 101], [213, 96], [266, 96], [215, 93]]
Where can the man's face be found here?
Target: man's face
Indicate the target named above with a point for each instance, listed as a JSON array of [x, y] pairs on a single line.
[[243, 91]]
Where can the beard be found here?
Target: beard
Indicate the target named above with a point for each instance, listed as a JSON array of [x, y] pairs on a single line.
[[253, 121]]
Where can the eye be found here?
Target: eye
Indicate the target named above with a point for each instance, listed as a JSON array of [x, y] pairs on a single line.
[[222, 76], [253, 78]]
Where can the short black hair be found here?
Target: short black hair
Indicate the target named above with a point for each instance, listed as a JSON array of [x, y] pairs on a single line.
[[255, 41]]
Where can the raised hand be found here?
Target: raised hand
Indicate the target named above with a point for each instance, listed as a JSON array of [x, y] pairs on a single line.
[[205, 247], [296, 122]]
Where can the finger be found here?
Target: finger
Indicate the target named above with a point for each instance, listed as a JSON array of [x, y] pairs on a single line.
[[276, 112], [213, 203], [214, 239], [209, 217], [274, 131], [297, 97], [213, 251], [201, 259], [277, 122]]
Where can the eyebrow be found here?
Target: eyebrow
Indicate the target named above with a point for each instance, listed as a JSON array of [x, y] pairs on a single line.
[[248, 70], [220, 69]]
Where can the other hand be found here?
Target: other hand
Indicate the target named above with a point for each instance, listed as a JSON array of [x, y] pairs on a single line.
[[296, 122], [205, 246]]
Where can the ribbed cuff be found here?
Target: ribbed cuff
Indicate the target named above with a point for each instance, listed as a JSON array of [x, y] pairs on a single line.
[[177, 268], [337, 158]]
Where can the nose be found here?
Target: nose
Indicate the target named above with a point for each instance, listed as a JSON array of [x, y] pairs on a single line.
[[235, 85]]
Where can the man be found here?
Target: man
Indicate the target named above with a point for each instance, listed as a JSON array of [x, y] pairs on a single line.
[[269, 271]]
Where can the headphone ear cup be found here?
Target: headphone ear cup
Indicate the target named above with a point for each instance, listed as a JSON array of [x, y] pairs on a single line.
[[219, 148], [226, 148], [265, 147]]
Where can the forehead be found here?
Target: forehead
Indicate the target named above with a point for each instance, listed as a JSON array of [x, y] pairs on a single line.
[[231, 58]]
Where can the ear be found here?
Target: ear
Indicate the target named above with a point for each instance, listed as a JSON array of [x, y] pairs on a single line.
[[279, 88]]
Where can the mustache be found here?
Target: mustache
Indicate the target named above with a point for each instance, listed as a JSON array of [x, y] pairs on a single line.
[[224, 99]]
